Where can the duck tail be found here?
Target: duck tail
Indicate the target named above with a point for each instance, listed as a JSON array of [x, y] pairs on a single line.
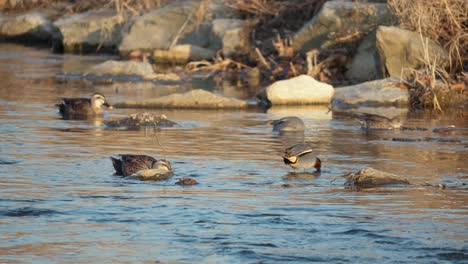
[[117, 163]]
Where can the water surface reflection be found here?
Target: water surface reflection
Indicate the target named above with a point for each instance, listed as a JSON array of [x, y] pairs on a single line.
[[60, 201]]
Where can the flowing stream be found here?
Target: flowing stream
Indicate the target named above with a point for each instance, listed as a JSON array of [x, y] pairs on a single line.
[[61, 203]]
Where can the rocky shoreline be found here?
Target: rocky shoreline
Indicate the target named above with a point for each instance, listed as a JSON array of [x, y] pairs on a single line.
[[344, 43]]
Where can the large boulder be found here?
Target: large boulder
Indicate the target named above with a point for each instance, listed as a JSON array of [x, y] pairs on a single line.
[[300, 90], [230, 35], [163, 28], [402, 49], [29, 28], [386, 92], [365, 65], [197, 99], [338, 19], [89, 32]]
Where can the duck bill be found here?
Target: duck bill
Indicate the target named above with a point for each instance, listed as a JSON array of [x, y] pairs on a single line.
[[318, 164], [106, 104]]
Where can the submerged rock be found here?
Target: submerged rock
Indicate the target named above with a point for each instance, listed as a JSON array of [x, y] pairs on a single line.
[[28, 28], [185, 181], [141, 120], [369, 178], [199, 99], [386, 92], [299, 90], [401, 49]]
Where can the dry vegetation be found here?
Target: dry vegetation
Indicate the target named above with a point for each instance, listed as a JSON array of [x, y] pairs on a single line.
[[445, 21]]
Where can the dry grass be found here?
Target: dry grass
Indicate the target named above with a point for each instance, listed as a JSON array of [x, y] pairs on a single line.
[[445, 21]]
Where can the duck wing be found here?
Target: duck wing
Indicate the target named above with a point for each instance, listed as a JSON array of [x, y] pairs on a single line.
[[297, 150], [133, 163], [75, 105]]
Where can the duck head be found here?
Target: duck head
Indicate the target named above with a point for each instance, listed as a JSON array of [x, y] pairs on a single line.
[[98, 100], [162, 164]]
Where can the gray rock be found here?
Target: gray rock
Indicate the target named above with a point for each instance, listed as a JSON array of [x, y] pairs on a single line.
[[165, 27], [28, 28], [338, 19], [399, 49], [384, 92], [299, 90], [230, 35], [370, 178], [365, 65], [196, 99], [89, 32]]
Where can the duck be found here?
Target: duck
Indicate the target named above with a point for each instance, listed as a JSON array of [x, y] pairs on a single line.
[[140, 165], [301, 156], [289, 123], [160, 170], [83, 107], [375, 122]]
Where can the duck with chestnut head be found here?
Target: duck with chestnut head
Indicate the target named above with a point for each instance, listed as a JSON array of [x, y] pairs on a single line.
[[301, 157]]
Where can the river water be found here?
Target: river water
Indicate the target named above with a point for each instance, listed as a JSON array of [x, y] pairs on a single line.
[[61, 203]]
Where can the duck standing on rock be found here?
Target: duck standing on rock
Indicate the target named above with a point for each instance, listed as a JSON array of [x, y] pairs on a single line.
[[83, 107], [141, 166], [301, 156], [374, 122], [289, 123]]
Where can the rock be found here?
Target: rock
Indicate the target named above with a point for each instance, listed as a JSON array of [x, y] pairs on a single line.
[[165, 27], [230, 35], [369, 178], [29, 28], [141, 120], [197, 99], [89, 32], [183, 54], [129, 68], [365, 65], [299, 90], [402, 49], [185, 181], [338, 19], [384, 92]]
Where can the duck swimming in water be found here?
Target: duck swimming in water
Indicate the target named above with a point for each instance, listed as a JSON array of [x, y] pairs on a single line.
[[140, 166], [301, 156], [374, 122], [289, 123], [83, 107]]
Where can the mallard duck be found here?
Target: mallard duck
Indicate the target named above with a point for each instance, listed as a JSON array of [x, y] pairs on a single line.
[[127, 164], [83, 107], [371, 121], [301, 156], [289, 123]]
